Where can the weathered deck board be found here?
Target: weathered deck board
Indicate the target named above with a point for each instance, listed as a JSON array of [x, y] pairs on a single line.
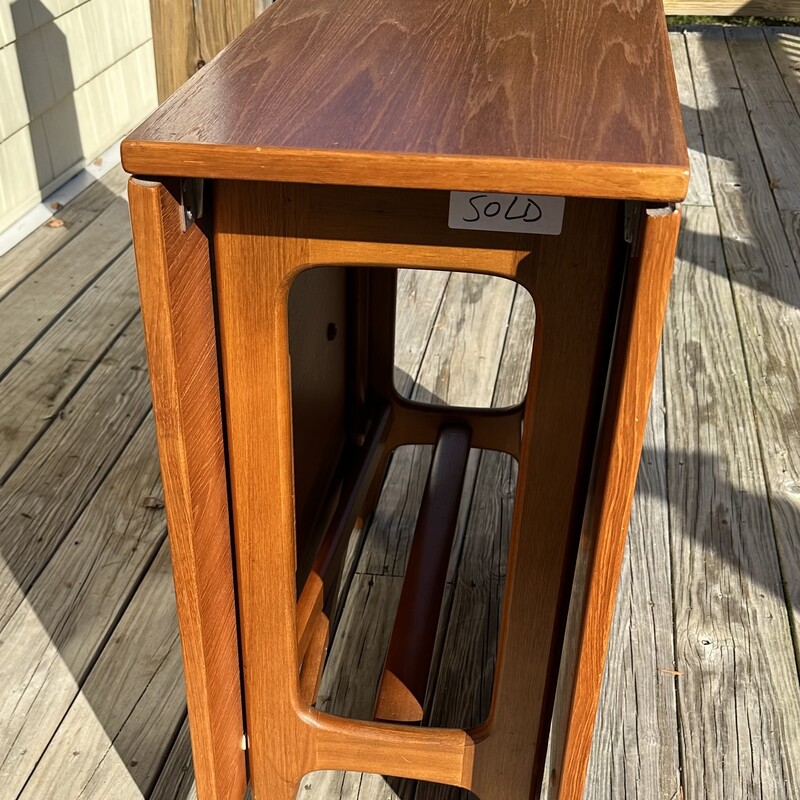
[[56, 634], [27, 312], [785, 46], [46, 493], [699, 185], [766, 289], [111, 743], [37, 387], [420, 298], [738, 693], [635, 751], [48, 239], [774, 115], [176, 781]]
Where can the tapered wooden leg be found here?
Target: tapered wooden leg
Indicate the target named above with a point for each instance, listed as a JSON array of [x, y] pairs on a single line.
[[618, 462], [177, 309]]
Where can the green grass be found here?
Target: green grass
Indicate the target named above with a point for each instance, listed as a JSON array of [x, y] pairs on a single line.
[[747, 21]]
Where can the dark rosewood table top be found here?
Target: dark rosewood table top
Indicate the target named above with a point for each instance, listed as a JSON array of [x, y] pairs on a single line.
[[563, 97]]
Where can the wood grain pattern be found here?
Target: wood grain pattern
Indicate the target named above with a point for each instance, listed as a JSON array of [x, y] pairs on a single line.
[[84, 588], [758, 8], [774, 108], [135, 688], [766, 286], [619, 450], [33, 251], [176, 779], [503, 97], [773, 115], [699, 185], [206, 27], [175, 286], [64, 276], [37, 388], [784, 43], [44, 496], [635, 750], [738, 690]]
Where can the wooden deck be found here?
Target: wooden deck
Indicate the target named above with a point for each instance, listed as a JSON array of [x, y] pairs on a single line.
[[701, 696]]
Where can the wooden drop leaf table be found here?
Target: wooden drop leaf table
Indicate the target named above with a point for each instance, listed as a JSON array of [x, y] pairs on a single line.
[[275, 196]]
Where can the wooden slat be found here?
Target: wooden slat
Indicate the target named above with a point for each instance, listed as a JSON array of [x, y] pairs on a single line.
[[34, 304], [176, 780], [35, 390], [401, 696], [727, 8], [785, 46], [635, 747], [420, 294], [699, 185], [174, 269], [775, 120], [205, 29], [115, 737], [48, 239], [54, 637], [773, 115], [738, 690], [43, 497], [766, 285]]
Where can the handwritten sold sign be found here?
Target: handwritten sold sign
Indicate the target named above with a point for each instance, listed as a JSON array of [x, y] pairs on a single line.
[[518, 213]]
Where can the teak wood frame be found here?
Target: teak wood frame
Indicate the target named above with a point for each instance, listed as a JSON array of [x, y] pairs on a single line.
[[215, 308]]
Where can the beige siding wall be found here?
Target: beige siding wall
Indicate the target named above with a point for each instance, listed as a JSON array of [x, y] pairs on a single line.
[[75, 75]]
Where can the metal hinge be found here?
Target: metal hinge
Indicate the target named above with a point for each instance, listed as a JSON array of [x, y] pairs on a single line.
[[191, 201], [633, 209]]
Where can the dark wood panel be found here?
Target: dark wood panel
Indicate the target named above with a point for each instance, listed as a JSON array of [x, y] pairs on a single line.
[[471, 92]]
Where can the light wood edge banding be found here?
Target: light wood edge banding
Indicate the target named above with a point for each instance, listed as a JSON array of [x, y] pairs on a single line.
[[411, 171]]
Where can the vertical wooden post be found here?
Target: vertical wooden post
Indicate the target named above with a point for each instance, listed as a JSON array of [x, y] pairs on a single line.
[[620, 447], [178, 314], [189, 33]]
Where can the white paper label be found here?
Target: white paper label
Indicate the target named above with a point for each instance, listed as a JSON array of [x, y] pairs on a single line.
[[517, 213]]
